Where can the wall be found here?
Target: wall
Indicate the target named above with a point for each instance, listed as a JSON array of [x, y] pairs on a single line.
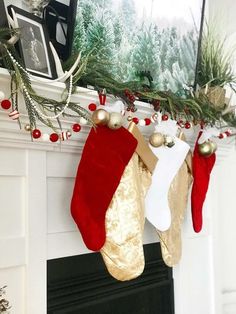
[[36, 181], [224, 213], [36, 185]]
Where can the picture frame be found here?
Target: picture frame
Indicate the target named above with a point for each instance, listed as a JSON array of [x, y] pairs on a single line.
[[60, 20], [3, 19], [33, 45], [137, 37]]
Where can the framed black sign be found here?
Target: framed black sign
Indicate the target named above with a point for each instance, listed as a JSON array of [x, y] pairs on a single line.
[[60, 21]]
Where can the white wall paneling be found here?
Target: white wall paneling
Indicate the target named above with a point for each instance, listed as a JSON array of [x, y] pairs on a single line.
[[37, 181]]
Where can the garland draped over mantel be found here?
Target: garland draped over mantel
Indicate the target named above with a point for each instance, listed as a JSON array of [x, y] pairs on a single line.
[[187, 105]]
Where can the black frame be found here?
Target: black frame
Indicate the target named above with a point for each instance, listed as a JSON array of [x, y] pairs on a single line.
[[3, 19], [33, 44], [57, 12], [199, 42]]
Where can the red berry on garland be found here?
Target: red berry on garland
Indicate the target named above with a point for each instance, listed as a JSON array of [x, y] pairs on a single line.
[[156, 105], [135, 120], [36, 133], [180, 123], [5, 104], [133, 109], [92, 107], [132, 98], [228, 132], [164, 117], [126, 92], [221, 135], [187, 125], [147, 121], [76, 127], [54, 137], [202, 123]]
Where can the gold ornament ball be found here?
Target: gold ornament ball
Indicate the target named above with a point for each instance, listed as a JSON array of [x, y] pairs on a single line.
[[129, 118], [156, 139], [27, 127], [100, 117], [205, 149], [213, 146], [115, 121]]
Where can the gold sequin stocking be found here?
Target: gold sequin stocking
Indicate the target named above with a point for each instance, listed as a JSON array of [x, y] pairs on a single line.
[[123, 249], [170, 240]]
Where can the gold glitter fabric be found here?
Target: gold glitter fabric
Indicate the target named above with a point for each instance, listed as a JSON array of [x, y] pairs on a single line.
[[125, 217], [170, 240]]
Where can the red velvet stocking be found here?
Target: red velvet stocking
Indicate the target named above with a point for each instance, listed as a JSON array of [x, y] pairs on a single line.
[[202, 167], [105, 156]]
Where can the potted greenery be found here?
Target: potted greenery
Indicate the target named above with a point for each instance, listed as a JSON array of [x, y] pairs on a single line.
[[215, 69]]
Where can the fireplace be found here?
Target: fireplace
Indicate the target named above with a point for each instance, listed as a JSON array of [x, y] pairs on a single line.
[[81, 285]]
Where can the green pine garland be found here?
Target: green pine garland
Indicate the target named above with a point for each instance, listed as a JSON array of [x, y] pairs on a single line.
[[96, 73], [187, 106]]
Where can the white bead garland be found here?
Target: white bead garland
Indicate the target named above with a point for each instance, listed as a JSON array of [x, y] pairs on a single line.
[[142, 122], [2, 96], [45, 137], [41, 114]]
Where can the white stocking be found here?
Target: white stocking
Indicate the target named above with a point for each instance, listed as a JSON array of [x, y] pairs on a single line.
[[169, 162]]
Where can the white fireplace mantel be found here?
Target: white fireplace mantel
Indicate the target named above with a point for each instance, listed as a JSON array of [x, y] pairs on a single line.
[[36, 180]]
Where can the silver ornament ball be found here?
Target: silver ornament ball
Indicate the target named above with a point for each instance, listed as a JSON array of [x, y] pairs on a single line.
[[115, 121], [169, 141]]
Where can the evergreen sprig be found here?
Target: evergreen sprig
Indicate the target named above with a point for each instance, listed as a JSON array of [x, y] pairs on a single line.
[[188, 106], [48, 106], [215, 63]]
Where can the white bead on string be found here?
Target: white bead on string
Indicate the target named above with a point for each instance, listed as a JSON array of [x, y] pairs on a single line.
[[27, 95]]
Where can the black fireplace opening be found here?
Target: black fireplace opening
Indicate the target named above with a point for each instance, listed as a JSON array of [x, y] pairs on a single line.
[[81, 285]]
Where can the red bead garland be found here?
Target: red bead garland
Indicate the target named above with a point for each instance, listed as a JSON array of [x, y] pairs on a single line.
[[92, 107], [165, 117], [187, 125], [147, 121], [5, 104], [76, 127], [135, 120], [225, 134], [54, 137], [36, 133]]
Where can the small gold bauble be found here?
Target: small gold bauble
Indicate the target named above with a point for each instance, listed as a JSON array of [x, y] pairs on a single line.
[[115, 121], [129, 118], [27, 127], [213, 146], [100, 117], [205, 149], [156, 139], [169, 141]]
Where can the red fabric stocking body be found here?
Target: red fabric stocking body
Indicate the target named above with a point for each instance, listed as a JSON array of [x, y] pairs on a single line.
[[202, 167], [105, 156]]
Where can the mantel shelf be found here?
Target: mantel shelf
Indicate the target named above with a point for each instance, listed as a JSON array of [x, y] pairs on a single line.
[[11, 135]]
